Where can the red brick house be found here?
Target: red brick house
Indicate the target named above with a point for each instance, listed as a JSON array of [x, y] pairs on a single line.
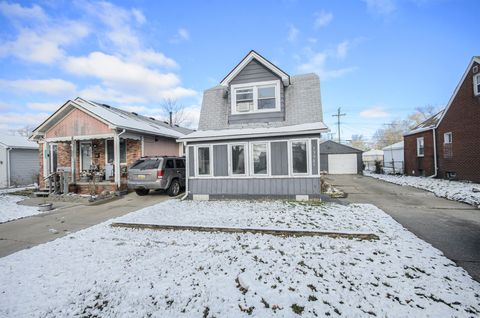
[[448, 144], [84, 139]]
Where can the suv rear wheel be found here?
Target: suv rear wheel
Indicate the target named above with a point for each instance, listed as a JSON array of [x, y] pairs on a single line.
[[142, 192], [174, 188]]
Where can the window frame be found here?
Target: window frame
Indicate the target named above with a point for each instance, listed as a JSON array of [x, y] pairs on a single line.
[[418, 147], [50, 157], [210, 163], [450, 138], [255, 86], [252, 163], [309, 159], [476, 84], [245, 159], [119, 150]]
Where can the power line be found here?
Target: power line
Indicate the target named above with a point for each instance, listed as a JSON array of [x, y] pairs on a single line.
[[338, 115]]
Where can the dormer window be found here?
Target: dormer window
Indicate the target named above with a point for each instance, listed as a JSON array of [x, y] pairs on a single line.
[[256, 97], [476, 84]]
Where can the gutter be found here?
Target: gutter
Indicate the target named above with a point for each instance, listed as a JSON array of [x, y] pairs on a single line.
[[434, 175], [187, 171], [8, 166]]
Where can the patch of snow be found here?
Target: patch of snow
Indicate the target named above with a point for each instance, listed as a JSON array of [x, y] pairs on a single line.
[[11, 210], [112, 272], [452, 190], [11, 190]]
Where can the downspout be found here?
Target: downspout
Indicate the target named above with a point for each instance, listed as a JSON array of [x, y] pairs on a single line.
[[187, 171], [8, 166], [434, 175]]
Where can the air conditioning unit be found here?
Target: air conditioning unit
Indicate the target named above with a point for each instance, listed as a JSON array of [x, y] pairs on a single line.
[[243, 107]]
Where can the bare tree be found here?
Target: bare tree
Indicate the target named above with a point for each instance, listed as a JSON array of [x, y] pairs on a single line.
[[359, 142], [177, 111], [421, 114], [25, 131]]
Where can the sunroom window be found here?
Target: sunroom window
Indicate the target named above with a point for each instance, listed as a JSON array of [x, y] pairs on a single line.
[[238, 159], [260, 158], [299, 157], [256, 97], [203, 161]]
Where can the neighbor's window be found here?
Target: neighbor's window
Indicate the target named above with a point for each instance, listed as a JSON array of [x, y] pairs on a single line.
[[203, 160], [476, 84], [447, 138], [447, 145], [420, 147], [238, 159], [258, 97], [260, 158], [299, 157], [110, 151]]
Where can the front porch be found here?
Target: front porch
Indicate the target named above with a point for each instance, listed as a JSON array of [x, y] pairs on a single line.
[[88, 166]]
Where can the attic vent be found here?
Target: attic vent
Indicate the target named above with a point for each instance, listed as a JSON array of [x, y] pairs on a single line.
[[151, 118], [135, 113], [475, 69]]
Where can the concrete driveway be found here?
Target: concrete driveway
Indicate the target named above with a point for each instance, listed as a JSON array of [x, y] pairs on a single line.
[[67, 218], [452, 227]]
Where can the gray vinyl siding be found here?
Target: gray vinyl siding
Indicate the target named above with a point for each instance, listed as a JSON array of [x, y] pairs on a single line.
[[314, 157], [3, 167], [279, 158], [24, 166], [220, 161], [256, 186], [191, 161], [251, 73]]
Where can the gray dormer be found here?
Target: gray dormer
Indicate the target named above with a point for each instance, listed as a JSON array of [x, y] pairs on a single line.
[[256, 93]]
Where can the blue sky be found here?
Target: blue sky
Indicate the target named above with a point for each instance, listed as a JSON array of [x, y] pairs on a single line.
[[377, 59]]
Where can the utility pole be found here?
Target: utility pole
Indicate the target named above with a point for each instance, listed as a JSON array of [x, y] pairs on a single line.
[[338, 115]]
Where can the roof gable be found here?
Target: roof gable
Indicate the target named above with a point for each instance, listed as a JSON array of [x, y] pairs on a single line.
[[475, 59], [263, 61]]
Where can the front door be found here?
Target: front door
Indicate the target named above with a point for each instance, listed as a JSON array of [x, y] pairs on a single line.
[[85, 155]]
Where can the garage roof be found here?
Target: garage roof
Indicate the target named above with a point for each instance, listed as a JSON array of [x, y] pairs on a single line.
[[18, 142], [332, 147]]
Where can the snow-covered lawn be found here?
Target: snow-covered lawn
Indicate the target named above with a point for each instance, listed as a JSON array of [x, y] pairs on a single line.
[[10, 209], [452, 190], [114, 272]]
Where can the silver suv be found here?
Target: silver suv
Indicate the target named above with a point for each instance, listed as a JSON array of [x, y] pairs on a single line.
[[157, 173]]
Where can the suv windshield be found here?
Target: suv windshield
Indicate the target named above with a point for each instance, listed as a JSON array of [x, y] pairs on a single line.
[[146, 164]]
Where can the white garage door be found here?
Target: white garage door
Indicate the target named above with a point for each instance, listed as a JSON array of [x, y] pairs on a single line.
[[342, 163]]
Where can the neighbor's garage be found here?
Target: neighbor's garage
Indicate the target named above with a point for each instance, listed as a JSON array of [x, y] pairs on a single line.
[[336, 158]]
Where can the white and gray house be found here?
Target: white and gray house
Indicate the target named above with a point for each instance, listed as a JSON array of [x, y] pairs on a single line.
[[258, 136]]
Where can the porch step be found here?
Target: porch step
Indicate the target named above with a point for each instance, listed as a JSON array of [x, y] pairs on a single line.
[[41, 193]]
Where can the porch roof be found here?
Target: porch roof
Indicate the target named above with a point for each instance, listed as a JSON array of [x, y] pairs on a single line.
[[115, 118]]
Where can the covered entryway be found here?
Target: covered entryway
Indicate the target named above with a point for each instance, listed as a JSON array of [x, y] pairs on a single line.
[[342, 163]]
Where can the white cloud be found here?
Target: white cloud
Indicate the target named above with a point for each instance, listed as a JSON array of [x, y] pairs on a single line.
[[181, 36], [192, 116], [49, 107], [16, 11], [322, 19], [374, 112], [54, 86], [13, 120], [44, 44], [292, 33], [138, 15], [381, 7], [153, 58], [316, 61], [122, 79]]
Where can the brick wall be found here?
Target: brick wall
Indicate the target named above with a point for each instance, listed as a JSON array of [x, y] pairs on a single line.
[[463, 121], [64, 158], [414, 165]]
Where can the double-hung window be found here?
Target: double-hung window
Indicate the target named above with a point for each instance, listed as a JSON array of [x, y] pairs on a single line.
[[259, 155], [237, 159], [447, 145], [256, 97], [420, 147], [203, 161], [299, 157], [476, 84]]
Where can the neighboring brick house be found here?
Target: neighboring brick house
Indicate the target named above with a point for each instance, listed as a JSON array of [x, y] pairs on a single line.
[[258, 136], [451, 138], [84, 137]]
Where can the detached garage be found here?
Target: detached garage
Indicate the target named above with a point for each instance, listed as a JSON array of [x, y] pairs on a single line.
[[19, 162], [336, 158]]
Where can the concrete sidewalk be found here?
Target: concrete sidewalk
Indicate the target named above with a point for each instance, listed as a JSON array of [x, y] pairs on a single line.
[[25, 233], [450, 226]]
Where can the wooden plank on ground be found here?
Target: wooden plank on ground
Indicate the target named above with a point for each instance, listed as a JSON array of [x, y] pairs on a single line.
[[284, 233]]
